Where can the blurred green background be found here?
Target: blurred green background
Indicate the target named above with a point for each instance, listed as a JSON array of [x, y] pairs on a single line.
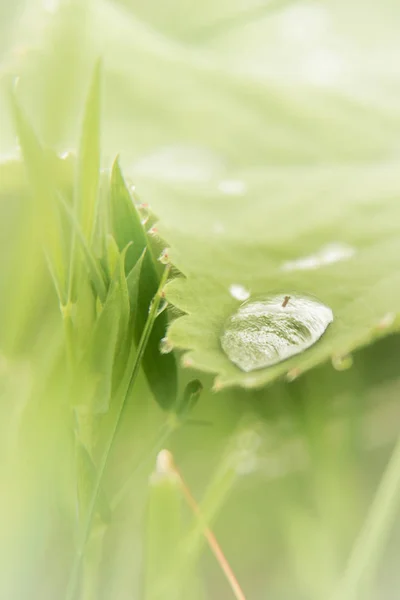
[[195, 93]]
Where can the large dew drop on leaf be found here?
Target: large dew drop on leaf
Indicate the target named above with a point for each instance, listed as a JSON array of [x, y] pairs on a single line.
[[268, 330]]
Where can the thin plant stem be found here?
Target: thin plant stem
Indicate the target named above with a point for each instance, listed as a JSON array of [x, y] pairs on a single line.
[[208, 534], [74, 576], [368, 547]]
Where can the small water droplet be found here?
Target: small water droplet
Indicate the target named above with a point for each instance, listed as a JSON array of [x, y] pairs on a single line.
[[263, 332], [342, 363], [232, 187], [153, 231], [239, 292], [327, 255], [66, 154], [386, 322], [144, 213], [187, 362], [163, 305], [164, 257], [165, 346]]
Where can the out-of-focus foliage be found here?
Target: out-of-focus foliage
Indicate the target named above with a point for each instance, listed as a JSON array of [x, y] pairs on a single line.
[[259, 133]]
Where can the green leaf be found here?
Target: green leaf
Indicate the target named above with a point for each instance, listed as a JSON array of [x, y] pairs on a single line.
[[163, 533], [103, 346], [89, 158], [132, 281], [86, 479], [159, 369], [93, 266], [43, 211], [254, 239]]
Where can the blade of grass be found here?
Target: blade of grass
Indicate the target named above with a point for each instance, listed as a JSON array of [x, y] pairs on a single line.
[[43, 191], [88, 172], [160, 369], [75, 571], [369, 545], [163, 528], [91, 263], [175, 419]]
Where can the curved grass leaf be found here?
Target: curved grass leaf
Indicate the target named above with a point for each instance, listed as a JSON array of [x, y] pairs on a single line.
[[44, 209], [92, 264], [160, 369], [163, 533], [88, 164]]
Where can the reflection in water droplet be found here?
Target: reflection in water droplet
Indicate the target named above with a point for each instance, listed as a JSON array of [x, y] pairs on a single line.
[[262, 332], [239, 292], [342, 363], [232, 187], [165, 346], [327, 255]]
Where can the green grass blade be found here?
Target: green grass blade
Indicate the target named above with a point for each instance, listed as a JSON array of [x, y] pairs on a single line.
[[89, 158], [368, 548], [93, 267], [160, 370], [86, 196], [43, 192], [126, 223], [163, 529], [103, 348], [76, 567]]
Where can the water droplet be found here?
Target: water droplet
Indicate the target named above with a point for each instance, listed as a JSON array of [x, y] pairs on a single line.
[[386, 322], [163, 305], [144, 212], [153, 231], [266, 331], [66, 154], [165, 346], [239, 292], [232, 187], [164, 257], [342, 363], [327, 255], [187, 362]]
